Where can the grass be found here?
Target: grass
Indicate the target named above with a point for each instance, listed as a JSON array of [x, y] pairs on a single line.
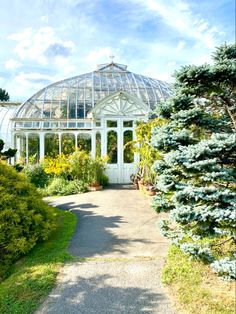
[[194, 288], [32, 277]]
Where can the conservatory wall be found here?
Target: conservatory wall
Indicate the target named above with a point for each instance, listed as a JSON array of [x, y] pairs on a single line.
[[96, 112]]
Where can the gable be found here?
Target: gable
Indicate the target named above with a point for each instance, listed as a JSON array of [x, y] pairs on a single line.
[[120, 104]]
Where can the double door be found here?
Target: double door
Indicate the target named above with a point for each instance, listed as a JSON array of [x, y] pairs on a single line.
[[121, 164]]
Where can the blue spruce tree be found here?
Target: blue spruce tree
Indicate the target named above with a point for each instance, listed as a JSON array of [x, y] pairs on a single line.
[[196, 177]]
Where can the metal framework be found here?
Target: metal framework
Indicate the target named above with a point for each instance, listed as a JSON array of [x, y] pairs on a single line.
[[73, 98]]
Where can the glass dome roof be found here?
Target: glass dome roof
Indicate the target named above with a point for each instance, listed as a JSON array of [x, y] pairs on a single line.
[[73, 98]]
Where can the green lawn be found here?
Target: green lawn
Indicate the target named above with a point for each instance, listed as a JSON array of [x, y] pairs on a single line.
[[194, 288], [32, 277]]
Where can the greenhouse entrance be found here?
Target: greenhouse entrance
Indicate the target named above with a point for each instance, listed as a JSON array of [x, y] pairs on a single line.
[[121, 162], [116, 117]]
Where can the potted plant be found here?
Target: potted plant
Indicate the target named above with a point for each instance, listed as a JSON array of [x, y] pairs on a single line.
[[150, 189], [135, 178], [97, 175]]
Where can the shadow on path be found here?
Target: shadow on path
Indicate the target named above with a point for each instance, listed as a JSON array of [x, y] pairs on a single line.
[[94, 234], [100, 294]]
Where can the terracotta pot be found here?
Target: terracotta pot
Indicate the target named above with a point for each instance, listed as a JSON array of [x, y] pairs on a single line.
[[95, 188], [151, 193], [95, 184], [141, 186]]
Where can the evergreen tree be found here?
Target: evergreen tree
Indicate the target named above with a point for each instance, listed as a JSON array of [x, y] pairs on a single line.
[[4, 96], [196, 176]]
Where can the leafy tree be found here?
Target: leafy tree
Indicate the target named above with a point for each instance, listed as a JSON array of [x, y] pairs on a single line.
[[196, 175], [4, 96]]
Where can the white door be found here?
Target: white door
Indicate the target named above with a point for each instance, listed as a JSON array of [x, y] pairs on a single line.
[[122, 161]]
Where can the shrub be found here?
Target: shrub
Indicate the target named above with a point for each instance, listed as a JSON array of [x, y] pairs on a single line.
[[57, 166], [37, 175], [24, 217], [61, 186], [80, 166], [104, 180], [97, 172]]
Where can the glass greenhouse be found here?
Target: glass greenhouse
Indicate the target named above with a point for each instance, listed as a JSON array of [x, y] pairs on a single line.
[[95, 111]]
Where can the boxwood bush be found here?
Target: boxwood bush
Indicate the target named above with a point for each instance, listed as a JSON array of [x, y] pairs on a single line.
[[24, 217]]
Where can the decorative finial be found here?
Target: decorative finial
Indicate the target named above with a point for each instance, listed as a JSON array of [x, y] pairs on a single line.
[[111, 57]]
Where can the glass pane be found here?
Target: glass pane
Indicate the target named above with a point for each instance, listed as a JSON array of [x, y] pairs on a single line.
[[67, 143], [112, 147], [72, 125], [98, 144], [33, 148], [46, 124], [51, 144], [128, 154], [84, 142], [127, 124], [111, 124]]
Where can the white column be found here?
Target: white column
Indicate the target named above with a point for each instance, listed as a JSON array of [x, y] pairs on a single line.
[[41, 145], [93, 140], [120, 151], [27, 147], [103, 142]]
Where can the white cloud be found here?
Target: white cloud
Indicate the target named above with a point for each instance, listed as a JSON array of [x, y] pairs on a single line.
[[35, 44], [24, 85], [181, 45], [101, 55], [44, 18], [33, 79], [177, 14], [171, 63], [12, 64]]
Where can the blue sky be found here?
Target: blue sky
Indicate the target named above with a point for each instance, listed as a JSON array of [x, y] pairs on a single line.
[[43, 41]]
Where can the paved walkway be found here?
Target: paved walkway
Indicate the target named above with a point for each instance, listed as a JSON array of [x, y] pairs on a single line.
[[124, 253]]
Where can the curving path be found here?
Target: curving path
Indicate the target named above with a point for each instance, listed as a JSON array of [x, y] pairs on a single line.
[[123, 255]]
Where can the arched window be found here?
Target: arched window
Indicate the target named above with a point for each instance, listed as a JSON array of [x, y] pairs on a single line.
[[84, 142], [33, 147], [98, 144], [112, 147], [67, 143], [128, 154], [51, 144], [20, 145]]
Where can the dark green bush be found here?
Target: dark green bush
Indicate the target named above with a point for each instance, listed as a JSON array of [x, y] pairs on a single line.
[[104, 180], [37, 175], [24, 217], [61, 186]]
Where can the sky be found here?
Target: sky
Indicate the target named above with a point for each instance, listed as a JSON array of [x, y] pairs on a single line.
[[44, 41]]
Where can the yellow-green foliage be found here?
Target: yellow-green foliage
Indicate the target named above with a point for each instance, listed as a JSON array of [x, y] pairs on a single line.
[[77, 166], [24, 217], [142, 145], [58, 165]]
